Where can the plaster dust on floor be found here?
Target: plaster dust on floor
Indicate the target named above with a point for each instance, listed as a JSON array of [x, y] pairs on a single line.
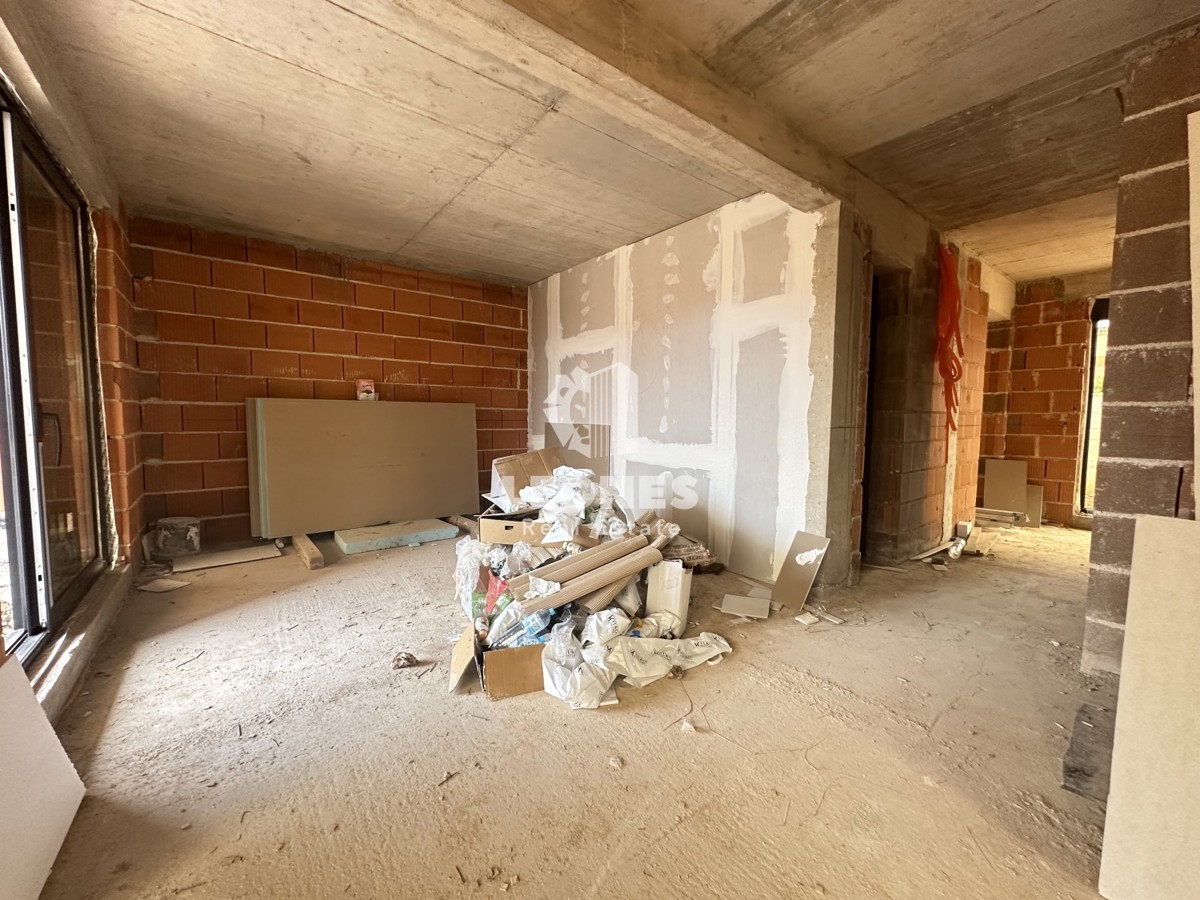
[[247, 736]]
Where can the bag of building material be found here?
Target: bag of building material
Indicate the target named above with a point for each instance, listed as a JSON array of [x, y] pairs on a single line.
[[605, 625], [574, 673], [644, 660]]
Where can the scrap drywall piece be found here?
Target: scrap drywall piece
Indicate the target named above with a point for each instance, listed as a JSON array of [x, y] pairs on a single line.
[[807, 618], [750, 607], [225, 558], [396, 534], [1033, 506], [40, 787], [462, 659], [1004, 483], [308, 552], [582, 446], [1150, 827], [162, 585], [669, 589], [800, 568], [322, 465]]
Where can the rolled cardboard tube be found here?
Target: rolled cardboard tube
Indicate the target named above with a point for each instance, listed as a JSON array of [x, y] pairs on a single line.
[[572, 566], [598, 600], [577, 588]]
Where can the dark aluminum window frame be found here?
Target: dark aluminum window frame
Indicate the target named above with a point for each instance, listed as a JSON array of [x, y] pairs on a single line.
[[40, 615]]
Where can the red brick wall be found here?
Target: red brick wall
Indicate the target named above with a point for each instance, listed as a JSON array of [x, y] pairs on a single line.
[[219, 318], [1044, 364], [974, 329], [119, 380], [1146, 453]]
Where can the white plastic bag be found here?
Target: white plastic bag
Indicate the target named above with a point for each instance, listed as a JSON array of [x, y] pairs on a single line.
[[573, 673], [644, 660], [602, 627], [656, 625]]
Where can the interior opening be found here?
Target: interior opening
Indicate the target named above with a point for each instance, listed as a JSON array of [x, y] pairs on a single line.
[[1095, 407]]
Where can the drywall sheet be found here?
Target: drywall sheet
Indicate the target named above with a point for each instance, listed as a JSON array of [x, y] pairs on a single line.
[[756, 482], [684, 492], [766, 246], [1004, 484], [1194, 181], [673, 289], [800, 569], [589, 293], [706, 376], [1150, 827], [39, 785], [582, 445], [1033, 505], [325, 465]]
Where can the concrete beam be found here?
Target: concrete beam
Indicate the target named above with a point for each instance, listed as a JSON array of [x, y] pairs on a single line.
[[641, 70], [29, 68]]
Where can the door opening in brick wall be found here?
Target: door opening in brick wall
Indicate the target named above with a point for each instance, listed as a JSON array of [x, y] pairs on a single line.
[[1095, 407]]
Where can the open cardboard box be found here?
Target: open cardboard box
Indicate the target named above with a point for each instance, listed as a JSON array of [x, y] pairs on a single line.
[[496, 527], [502, 673], [511, 473]]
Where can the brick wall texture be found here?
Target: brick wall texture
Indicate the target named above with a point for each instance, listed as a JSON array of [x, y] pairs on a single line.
[[119, 380], [217, 318], [905, 490], [1036, 381], [1146, 448]]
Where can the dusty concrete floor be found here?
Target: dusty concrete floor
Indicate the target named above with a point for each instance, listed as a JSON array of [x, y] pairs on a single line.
[[247, 737]]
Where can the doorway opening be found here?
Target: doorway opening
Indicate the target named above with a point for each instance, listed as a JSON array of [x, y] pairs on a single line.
[[1095, 407]]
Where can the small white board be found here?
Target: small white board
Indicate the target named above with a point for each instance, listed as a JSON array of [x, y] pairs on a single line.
[[162, 585], [751, 607], [225, 558]]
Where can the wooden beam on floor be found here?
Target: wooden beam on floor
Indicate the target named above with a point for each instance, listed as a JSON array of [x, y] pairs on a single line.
[[308, 552]]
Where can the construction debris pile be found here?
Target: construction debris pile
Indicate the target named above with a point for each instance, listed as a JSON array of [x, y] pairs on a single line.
[[553, 589]]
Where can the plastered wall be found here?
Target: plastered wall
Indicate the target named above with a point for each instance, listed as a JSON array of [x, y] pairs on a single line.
[[707, 351]]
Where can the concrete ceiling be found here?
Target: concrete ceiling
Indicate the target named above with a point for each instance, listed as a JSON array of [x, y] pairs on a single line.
[[466, 137], [372, 131], [969, 110]]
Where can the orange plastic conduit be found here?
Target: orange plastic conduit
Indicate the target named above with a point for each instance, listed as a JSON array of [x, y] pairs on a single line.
[[949, 336]]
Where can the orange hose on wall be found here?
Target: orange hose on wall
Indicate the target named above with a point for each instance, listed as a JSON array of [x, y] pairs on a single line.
[[949, 335]]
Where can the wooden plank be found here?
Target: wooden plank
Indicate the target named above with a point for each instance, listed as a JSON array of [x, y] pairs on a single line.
[[1150, 828], [309, 553], [327, 465]]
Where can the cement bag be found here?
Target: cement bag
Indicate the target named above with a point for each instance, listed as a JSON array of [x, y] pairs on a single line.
[[605, 625], [573, 673], [643, 660]]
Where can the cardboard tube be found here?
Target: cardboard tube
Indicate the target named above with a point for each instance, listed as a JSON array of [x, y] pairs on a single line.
[[572, 566], [598, 600], [578, 588]]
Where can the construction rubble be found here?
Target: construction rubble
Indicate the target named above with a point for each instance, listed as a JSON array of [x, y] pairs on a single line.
[[554, 593]]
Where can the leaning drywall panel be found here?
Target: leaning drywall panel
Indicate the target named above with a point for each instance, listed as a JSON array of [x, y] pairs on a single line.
[[1194, 181], [1150, 826], [687, 301], [40, 787], [323, 465]]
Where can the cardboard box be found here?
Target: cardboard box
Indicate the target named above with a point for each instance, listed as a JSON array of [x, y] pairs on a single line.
[[496, 527], [511, 473], [501, 673]]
